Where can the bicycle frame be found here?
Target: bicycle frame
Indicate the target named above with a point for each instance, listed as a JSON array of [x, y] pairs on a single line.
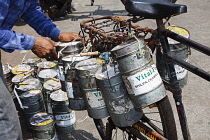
[[173, 84]]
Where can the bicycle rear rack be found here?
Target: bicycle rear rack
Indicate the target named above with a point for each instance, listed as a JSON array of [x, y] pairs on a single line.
[[106, 32]]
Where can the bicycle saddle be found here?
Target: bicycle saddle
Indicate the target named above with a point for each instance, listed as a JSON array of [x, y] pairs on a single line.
[[154, 9]]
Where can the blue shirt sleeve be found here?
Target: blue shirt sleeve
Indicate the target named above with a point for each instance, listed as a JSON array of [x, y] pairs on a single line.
[[11, 40], [38, 21]]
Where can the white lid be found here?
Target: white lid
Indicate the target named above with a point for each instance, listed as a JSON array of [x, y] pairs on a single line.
[[20, 68], [20, 77], [31, 60], [41, 119], [63, 44], [75, 57], [179, 30], [50, 84], [30, 84], [47, 73], [89, 64], [59, 95], [46, 64]]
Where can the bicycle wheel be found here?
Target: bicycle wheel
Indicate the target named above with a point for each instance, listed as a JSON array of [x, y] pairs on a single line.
[[158, 119]]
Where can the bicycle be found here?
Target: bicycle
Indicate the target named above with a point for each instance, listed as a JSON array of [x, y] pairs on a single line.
[[159, 10]]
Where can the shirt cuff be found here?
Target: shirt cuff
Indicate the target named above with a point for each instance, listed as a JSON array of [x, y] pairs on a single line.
[[54, 34], [29, 42]]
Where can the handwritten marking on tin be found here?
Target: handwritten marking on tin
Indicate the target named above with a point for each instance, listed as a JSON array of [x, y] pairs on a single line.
[[110, 73], [66, 119], [145, 81], [20, 77], [63, 117], [31, 84], [69, 89], [51, 84], [61, 73], [95, 99], [129, 118], [122, 105], [67, 116], [180, 72], [41, 120]]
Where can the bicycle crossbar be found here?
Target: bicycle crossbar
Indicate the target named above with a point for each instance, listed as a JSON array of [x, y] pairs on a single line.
[[205, 75], [197, 46]]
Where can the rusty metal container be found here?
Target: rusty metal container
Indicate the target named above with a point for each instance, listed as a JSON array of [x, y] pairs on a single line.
[[115, 94], [32, 102], [65, 118], [42, 127], [65, 49], [69, 48], [49, 87], [76, 100], [139, 73], [178, 50], [93, 98]]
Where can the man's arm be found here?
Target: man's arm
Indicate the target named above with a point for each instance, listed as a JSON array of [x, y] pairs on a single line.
[[44, 26], [11, 40], [38, 21]]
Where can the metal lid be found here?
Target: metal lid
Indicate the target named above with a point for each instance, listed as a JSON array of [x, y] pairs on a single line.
[[51, 84], [59, 95], [89, 64], [73, 58], [71, 47], [179, 30], [30, 84], [20, 68], [46, 64], [107, 72], [31, 60], [41, 119], [47, 73], [129, 43], [30, 93], [20, 77], [6, 68]]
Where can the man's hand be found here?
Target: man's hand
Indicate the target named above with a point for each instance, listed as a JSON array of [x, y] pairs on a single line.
[[44, 48], [68, 36]]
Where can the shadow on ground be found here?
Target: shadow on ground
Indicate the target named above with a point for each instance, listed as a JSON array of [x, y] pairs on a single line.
[[76, 15]]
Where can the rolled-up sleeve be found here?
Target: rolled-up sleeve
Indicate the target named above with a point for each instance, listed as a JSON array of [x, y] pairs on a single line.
[[38, 21], [11, 40]]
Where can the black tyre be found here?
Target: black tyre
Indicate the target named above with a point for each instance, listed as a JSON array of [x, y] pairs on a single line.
[[158, 117]]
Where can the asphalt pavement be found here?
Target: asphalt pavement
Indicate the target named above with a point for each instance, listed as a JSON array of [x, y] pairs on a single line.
[[196, 94]]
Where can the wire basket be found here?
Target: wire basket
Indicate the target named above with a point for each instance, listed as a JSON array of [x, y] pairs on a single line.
[[104, 33]]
